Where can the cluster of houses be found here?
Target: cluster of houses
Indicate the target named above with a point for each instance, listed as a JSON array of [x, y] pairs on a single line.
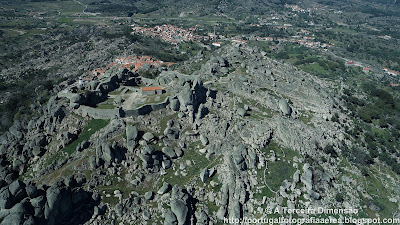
[[365, 69], [272, 20], [235, 40], [386, 37], [305, 38], [238, 40], [257, 38], [302, 37], [135, 63], [296, 8], [212, 36], [391, 72], [305, 41], [309, 43], [169, 33], [132, 63], [302, 40], [394, 74]]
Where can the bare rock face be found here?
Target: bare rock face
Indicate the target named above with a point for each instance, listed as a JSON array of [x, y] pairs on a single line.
[[179, 208], [131, 136], [235, 211], [175, 104], [185, 98], [192, 95], [205, 173], [170, 152], [284, 107], [204, 140], [170, 218], [241, 112], [164, 188], [306, 177], [148, 136], [28, 204]]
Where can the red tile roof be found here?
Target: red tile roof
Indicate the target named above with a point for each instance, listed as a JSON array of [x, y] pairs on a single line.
[[151, 88]]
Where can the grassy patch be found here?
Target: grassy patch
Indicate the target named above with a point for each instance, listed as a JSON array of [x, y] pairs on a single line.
[[380, 195], [126, 189], [314, 68], [306, 118], [200, 162], [111, 200], [284, 153], [165, 119], [52, 8], [260, 112], [106, 106], [65, 20], [258, 115], [212, 207], [116, 92], [91, 128], [265, 191], [278, 170], [152, 99], [66, 170], [57, 156], [375, 188]]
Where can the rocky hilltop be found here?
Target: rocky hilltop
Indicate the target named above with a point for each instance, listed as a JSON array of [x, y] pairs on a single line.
[[242, 135]]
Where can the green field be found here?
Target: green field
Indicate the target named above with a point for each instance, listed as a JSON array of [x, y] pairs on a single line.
[[92, 127]]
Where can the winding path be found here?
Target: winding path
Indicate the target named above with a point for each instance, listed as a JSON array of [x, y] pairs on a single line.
[[80, 3]]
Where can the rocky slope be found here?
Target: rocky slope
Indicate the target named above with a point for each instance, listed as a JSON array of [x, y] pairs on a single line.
[[243, 135]]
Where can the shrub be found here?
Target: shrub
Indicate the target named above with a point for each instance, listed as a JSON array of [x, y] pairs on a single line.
[[364, 172], [339, 197], [335, 118], [282, 55], [363, 113], [330, 151]]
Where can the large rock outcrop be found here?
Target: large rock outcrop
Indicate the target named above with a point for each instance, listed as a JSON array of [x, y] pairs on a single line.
[[24, 203]]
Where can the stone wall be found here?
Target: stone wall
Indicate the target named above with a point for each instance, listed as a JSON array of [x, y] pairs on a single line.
[[98, 113], [146, 109], [111, 113]]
